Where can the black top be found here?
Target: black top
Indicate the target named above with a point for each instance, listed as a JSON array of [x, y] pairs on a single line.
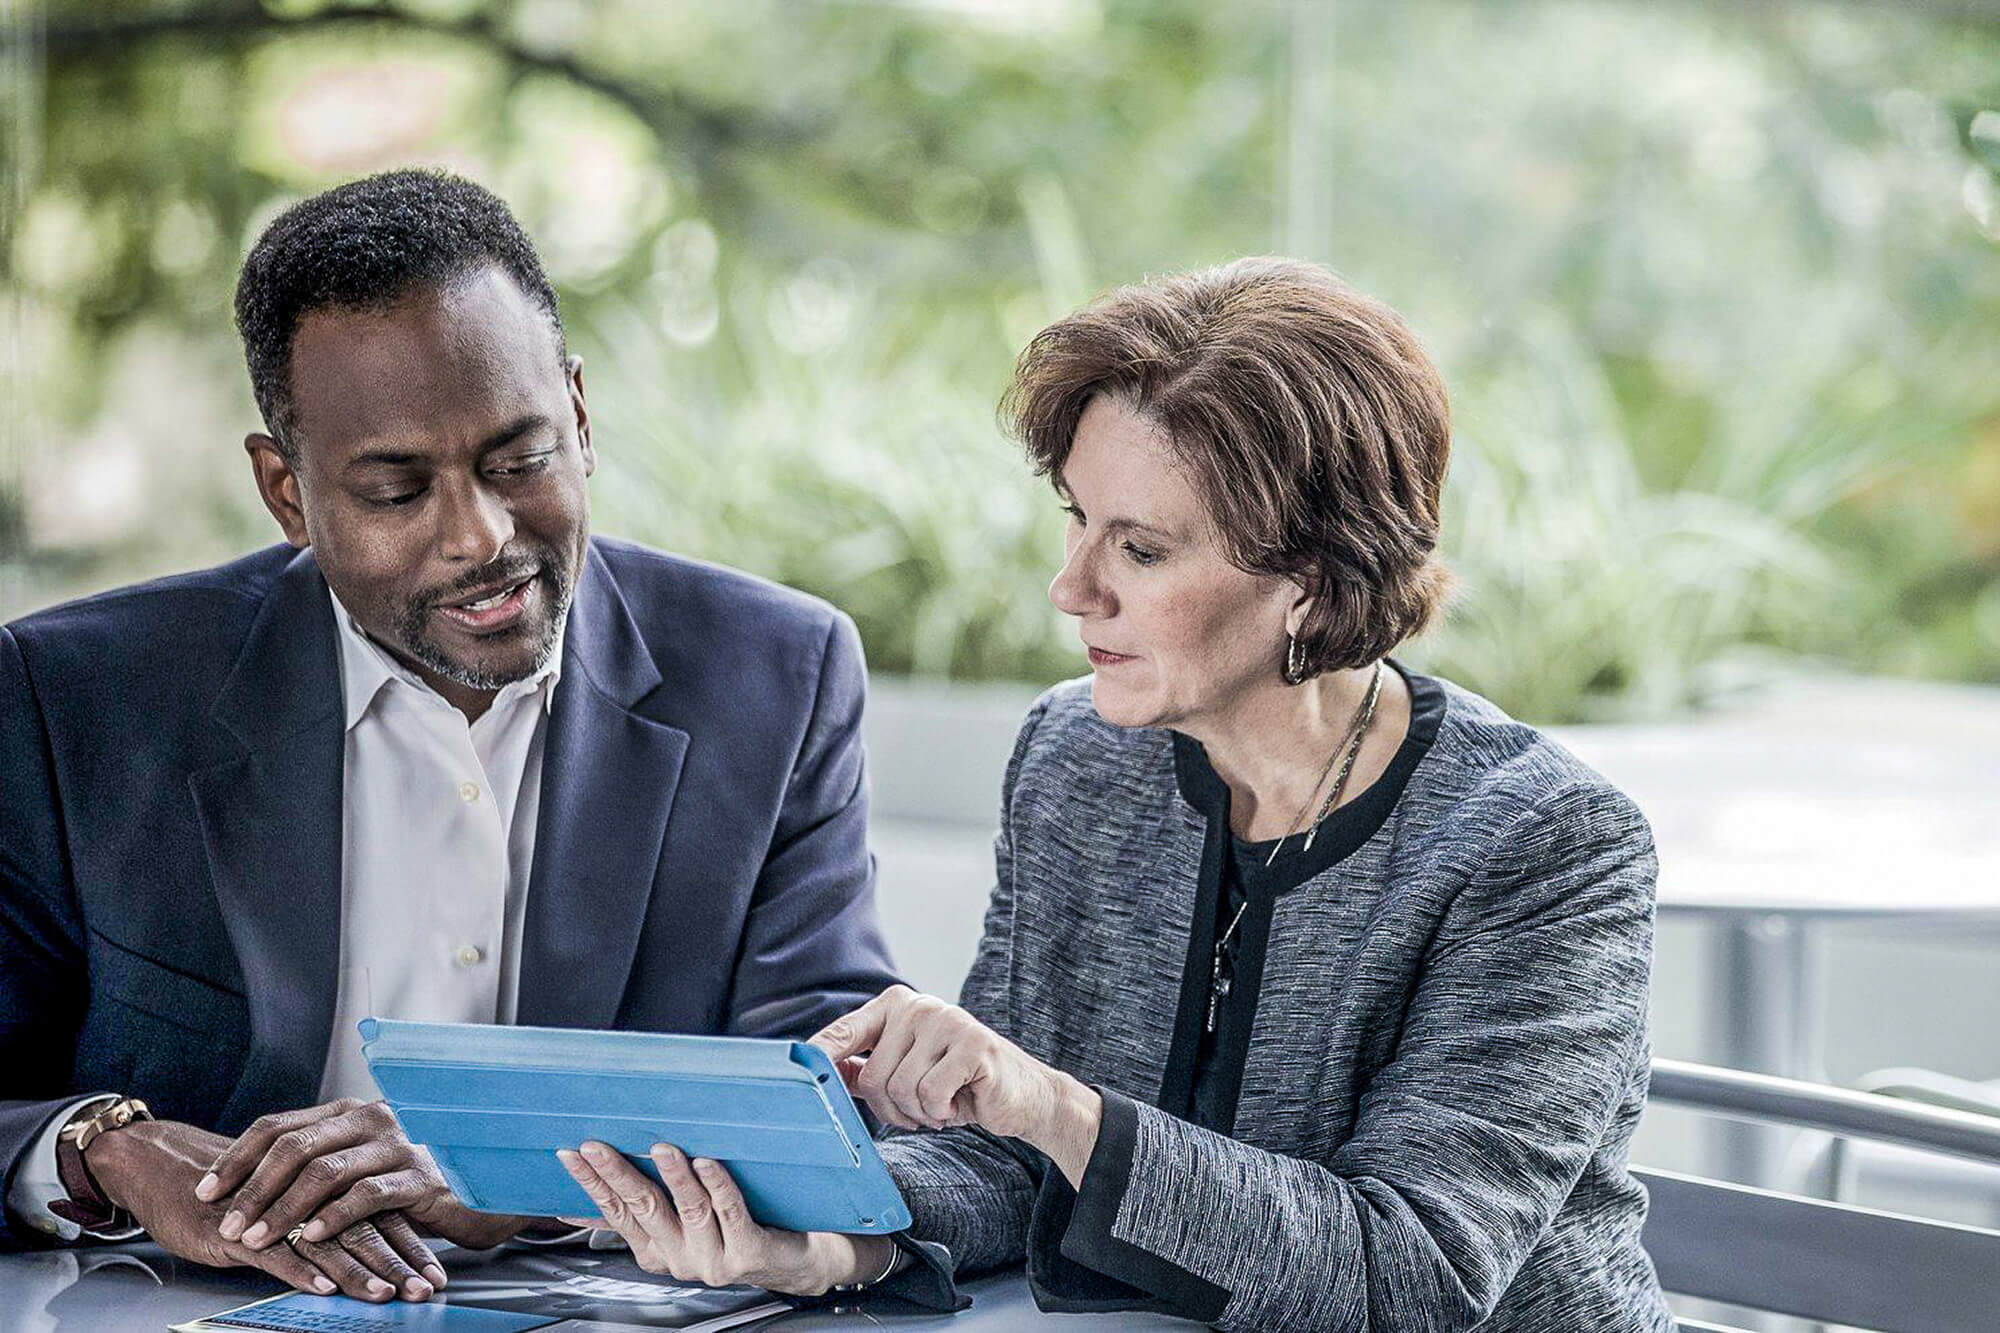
[[1206, 1091]]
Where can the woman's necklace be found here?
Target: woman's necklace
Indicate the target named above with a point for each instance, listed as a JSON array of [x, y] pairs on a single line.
[[1345, 754], [1348, 750]]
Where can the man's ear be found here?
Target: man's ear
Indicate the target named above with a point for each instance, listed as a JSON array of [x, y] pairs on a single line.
[[278, 484], [574, 374]]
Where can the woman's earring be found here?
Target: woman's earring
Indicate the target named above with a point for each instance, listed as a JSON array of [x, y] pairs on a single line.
[[1294, 672]]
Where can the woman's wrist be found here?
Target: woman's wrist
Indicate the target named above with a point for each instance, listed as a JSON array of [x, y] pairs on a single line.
[[847, 1260], [1068, 1134]]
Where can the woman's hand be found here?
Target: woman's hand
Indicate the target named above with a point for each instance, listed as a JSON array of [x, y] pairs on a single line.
[[921, 1063], [700, 1229]]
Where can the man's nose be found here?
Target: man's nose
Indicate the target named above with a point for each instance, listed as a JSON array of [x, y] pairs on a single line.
[[473, 525]]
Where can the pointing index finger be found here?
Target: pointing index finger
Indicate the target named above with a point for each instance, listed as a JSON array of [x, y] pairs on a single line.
[[856, 1032]]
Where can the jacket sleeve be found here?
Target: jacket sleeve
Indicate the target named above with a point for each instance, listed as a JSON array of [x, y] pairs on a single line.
[[969, 1191], [813, 947], [1525, 1030], [43, 982]]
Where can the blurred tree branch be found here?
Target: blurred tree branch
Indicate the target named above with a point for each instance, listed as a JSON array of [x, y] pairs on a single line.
[[703, 132]]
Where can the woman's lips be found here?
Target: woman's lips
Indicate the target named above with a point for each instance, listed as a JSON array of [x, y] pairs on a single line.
[[490, 613], [1100, 658]]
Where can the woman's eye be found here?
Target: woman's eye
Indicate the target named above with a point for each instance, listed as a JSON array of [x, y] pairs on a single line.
[[398, 499], [1140, 555], [1076, 515]]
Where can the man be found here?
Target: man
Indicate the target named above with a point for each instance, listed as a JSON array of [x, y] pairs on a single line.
[[442, 755]]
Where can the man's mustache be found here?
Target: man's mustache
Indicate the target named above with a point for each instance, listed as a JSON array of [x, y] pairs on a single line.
[[501, 573]]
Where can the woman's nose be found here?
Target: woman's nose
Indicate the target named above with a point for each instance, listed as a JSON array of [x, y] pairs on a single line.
[[1075, 590]]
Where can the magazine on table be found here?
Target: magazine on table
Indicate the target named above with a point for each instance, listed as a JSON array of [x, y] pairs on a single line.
[[604, 1293]]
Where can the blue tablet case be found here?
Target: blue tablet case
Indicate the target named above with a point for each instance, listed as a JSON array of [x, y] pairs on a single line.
[[493, 1104]]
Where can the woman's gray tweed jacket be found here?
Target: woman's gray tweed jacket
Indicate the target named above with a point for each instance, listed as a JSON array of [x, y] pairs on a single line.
[[1448, 1057]]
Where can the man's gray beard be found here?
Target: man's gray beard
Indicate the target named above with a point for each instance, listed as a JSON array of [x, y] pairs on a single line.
[[428, 654]]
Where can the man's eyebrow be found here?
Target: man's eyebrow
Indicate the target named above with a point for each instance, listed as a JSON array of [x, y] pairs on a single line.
[[514, 430], [381, 458], [500, 439]]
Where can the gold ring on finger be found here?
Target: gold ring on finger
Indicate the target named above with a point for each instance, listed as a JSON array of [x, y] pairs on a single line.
[[295, 1235]]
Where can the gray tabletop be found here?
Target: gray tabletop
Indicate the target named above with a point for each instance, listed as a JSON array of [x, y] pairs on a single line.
[[142, 1289]]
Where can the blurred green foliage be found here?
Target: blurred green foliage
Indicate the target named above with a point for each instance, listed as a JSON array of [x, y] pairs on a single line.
[[1715, 288]]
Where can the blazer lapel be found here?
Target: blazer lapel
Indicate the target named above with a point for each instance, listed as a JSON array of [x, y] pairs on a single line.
[[608, 782], [271, 825]]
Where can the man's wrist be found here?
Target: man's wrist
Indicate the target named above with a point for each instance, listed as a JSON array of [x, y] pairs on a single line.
[[106, 1158]]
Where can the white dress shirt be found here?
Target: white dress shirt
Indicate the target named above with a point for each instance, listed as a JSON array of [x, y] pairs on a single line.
[[437, 840]]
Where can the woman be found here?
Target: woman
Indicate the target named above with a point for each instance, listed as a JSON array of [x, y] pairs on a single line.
[[1313, 991]]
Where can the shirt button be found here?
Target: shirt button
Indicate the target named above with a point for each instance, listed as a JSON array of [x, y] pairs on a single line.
[[469, 955], [468, 792]]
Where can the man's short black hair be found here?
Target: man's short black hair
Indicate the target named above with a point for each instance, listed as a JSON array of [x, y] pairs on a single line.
[[363, 246]]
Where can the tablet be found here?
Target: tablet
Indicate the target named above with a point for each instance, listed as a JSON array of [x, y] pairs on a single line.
[[494, 1103]]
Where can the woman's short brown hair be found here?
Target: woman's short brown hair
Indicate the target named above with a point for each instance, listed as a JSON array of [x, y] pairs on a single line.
[[1307, 415]]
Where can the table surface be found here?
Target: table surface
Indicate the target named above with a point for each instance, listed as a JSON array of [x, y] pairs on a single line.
[[142, 1289], [1889, 812], [1945, 891]]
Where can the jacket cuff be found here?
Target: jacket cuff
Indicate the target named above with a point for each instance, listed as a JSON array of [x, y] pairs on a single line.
[[1076, 1262], [926, 1282]]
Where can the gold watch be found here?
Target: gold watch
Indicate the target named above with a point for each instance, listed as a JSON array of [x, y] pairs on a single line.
[[87, 1204]]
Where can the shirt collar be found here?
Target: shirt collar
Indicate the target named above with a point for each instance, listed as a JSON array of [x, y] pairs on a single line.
[[366, 667]]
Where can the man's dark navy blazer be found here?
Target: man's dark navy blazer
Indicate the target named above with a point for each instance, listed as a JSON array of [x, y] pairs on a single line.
[[170, 831]]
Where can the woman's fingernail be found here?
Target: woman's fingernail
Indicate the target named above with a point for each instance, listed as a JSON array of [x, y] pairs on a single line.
[[418, 1290], [597, 1152], [232, 1225], [435, 1275], [255, 1235], [323, 1285], [315, 1230], [206, 1189], [377, 1287]]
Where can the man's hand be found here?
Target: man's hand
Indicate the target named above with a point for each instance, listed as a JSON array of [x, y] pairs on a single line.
[[332, 1166], [150, 1169]]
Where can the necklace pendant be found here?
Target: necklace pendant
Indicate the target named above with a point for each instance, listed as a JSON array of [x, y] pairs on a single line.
[[1217, 993], [1310, 835]]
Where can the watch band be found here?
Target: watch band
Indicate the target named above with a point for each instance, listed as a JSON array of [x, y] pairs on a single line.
[[87, 1205]]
